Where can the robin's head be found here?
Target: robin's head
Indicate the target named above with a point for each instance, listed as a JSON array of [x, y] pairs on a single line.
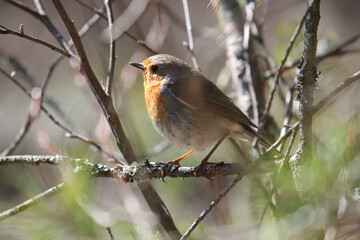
[[163, 67]]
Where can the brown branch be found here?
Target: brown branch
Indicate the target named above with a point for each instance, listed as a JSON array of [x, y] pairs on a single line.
[[4, 30], [40, 14], [123, 143]]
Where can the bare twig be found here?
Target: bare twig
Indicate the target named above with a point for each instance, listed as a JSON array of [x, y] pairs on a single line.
[[285, 159], [337, 51], [112, 48], [250, 167], [70, 132], [288, 112], [31, 202], [22, 133], [46, 21], [277, 77], [40, 14], [189, 33], [97, 11], [5, 30], [110, 233], [91, 7], [346, 83]]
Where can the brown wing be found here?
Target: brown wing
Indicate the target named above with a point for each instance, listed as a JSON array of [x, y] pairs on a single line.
[[223, 105], [197, 92]]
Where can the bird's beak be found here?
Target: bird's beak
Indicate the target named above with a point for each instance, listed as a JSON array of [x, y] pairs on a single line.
[[137, 65]]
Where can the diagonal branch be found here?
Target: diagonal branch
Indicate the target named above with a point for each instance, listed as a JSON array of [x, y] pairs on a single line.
[[4, 30], [31, 202], [123, 143], [277, 78]]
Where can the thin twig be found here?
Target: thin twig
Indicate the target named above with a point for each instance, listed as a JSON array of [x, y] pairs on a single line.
[[70, 132], [285, 159], [277, 77], [40, 14], [289, 111], [336, 51], [110, 233], [112, 48], [344, 84], [31, 202], [250, 167], [19, 137], [5, 30], [99, 12], [91, 7], [189, 33]]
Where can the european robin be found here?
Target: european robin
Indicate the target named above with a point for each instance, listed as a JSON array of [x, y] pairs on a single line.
[[188, 109]]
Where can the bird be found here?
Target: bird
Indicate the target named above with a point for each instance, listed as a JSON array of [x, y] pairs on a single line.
[[188, 109]]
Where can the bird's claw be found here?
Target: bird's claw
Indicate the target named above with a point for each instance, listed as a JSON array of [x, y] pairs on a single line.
[[168, 167]]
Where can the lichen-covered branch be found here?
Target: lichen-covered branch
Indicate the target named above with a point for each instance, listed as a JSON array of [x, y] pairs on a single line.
[[306, 84]]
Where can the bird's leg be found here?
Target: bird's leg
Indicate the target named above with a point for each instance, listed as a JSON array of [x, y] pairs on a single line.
[[176, 162], [205, 160]]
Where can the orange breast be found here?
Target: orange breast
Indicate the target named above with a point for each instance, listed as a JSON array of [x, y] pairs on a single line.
[[156, 102]]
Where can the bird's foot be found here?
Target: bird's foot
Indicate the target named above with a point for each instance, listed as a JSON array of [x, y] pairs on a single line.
[[169, 167]]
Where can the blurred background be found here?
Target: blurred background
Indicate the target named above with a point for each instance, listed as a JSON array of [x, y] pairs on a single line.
[[86, 207]]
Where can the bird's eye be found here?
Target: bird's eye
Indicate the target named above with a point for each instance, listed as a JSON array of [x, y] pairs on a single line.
[[154, 68]]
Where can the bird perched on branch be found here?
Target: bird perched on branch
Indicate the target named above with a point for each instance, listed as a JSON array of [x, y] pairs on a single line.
[[188, 109]]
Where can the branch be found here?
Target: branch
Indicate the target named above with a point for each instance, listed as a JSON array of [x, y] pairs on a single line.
[[40, 14], [277, 78], [134, 173], [246, 170], [112, 48], [19, 137], [344, 84], [307, 78], [4, 30], [190, 46], [123, 143], [31, 202], [99, 13], [336, 51]]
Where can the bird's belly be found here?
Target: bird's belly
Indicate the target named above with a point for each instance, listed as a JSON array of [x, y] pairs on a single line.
[[187, 130]]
